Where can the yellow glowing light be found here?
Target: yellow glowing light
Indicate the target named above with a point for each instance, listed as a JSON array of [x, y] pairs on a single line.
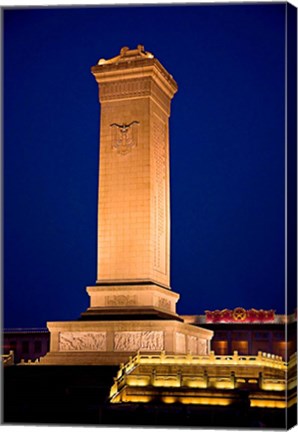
[[113, 390], [166, 382], [278, 386], [224, 385], [267, 403], [139, 398], [292, 383], [169, 399], [247, 366], [137, 381], [205, 401], [262, 359], [292, 402], [195, 383], [115, 400]]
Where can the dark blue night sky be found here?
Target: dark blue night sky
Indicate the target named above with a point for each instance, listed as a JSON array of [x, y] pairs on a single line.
[[226, 141]]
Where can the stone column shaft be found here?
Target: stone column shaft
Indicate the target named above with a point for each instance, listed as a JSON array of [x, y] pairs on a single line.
[[134, 196]]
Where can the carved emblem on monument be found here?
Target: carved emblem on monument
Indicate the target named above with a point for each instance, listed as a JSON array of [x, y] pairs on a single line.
[[82, 341], [124, 137], [121, 300], [164, 303], [134, 341]]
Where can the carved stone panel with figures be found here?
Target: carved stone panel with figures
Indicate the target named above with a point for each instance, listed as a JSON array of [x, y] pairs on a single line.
[[82, 341], [139, 340], [121, 300], [180, 343], [192, 344], [164, 303], [202, 347]]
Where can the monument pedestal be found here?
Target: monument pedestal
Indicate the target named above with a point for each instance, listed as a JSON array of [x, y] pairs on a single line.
[[113, 342], [122, 320], [138, 301]]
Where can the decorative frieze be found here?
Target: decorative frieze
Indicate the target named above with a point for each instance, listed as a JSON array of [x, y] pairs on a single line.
[[139, 340], [192, 344], [162, 99], [202, 347], [160, 195], [137, 88], [164, 303], [82, 341], [180, 343], [121, 300], [124, 89]]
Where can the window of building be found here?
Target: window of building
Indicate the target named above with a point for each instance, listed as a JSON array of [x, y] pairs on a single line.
[[240, 346], [220, 347], [220, 335], [279, 335], [239, 335], [13, 345], [261, 335], [37, 346], [25, 347]]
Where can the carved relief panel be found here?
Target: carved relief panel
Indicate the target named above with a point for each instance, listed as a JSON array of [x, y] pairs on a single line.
[[160, 194], [82, 341], [202, 347], [192, 344], [180, 343], [121, 300], [164, 303], [138, 340], [124, 89]]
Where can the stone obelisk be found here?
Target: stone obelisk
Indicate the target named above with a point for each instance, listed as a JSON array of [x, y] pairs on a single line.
[[132, 307], [135, 93]]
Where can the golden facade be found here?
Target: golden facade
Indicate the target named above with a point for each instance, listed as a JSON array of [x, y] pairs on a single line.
[[207, 380]]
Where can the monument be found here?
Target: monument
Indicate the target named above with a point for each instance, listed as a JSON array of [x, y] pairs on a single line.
[[132, 307]]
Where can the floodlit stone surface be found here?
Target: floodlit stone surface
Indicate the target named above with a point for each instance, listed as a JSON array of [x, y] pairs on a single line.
[[133, 278], [112, 342], [193, 379], [133, 296], [133, 211]]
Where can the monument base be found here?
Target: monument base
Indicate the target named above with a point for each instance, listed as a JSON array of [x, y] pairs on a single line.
[[113, 342], [131, 301], [122, 320]]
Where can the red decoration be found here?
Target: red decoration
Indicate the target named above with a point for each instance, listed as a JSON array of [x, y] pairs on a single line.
[[239, 315]]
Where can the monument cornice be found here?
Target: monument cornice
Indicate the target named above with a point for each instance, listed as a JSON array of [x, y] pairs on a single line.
[[135, 70], [138, 88], [127, 288]]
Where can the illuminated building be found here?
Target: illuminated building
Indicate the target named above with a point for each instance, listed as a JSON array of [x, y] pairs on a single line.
[[251, 332], [26, 344], [207, 380]]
